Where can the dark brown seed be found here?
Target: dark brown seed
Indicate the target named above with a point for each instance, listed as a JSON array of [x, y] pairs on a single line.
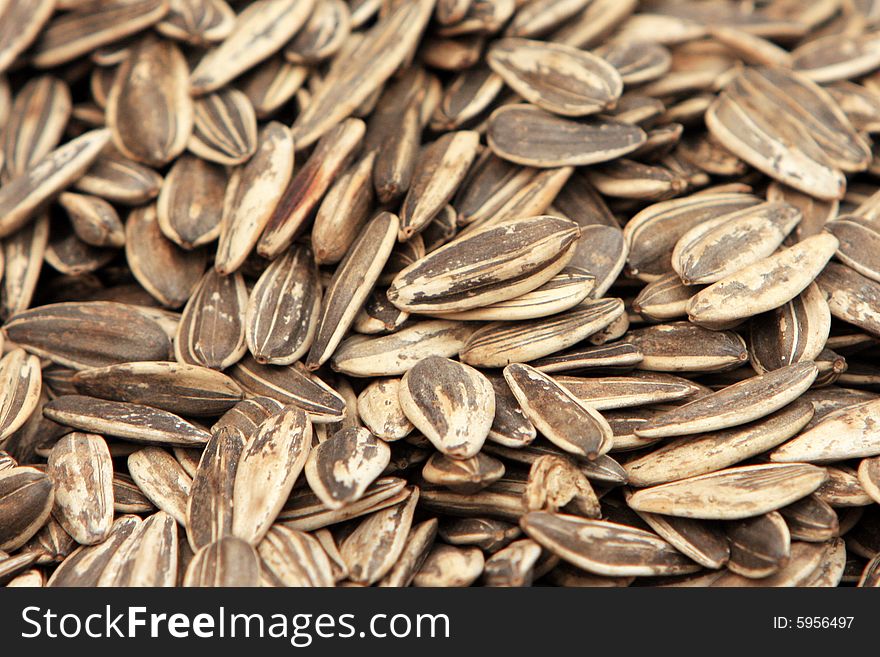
[[26, 499], [134, 422], [110, 333], [340, 469]]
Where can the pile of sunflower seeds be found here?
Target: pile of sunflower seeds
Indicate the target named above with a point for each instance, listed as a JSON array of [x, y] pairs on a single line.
[[439, 292]]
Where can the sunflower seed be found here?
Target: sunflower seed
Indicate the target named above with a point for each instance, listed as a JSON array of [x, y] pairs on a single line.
[[379, 408], [147, 558], [731, 494], [226, 562], [640, 389], [718, 248], [27, 192], [85, 565], [134, 422], [197, 22], [209, 507], [530, 136], [487, 266], [304, 191], [696, 455], [166, 271], [558, 414], [224, 127], [684, 347], [190, 203], [72, 34], [351, 284], [111, 333], [447, 566], [759, 546], [605, 548], [451, 403], [271, 461], [374, 546], [463, 475], [149, 110], [751, 399], [500, 343], [363, 69], [844, 434], [556, 77], [216, 308], [294, 558], [26, 499], [258, 32], [162, 480]]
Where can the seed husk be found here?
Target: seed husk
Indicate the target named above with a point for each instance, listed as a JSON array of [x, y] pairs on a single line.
[[73, 34], [23, 196], [328, 159], [559, 78], [294, 558], [26, 499], [391, 355], [191, 201], [530, 136], [84, 566], [447, 566], [134, 422], [759, 546], [209, 507], [259, 31], [715, 249], [224, 127], [149, 109], [162, 479], [351, 284], [487, 266], [340, 469], [438, 172], [691, 456], [751, 399], [379, 408], [283, 309], [216, 308], [113, 333], [844, 434], [291, 384], [684, 347], [558, 414], [147, 558], [695, 539], [179, 388], [372, 549], [226, 562], [639, 389], [452, 404], [82, 474], [271, 461], [501, 343], [463, 475], [605, 548], [731, 494], [362, 69]]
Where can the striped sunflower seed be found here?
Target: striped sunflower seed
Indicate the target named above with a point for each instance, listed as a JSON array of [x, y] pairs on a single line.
[[162, 479], [751, 399], [209, 507], [26, 500], [149, 109], [259, 31], [558, 414], [731, 494], [452, 404], [556, 77], [133, 422], [530, 136], [82, 474], [340, 469], [605, 548], [227, 562]]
